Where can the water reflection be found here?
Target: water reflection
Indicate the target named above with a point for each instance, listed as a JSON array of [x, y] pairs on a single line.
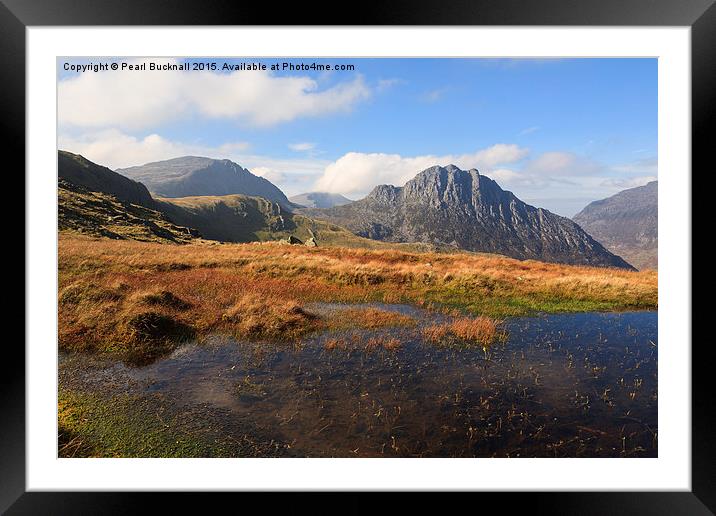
[[576, 385]]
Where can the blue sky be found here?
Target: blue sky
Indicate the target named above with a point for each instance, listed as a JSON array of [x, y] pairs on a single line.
[[557, 132]]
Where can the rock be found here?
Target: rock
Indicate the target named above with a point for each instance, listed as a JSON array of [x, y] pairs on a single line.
[[311, 242], [292, 240]]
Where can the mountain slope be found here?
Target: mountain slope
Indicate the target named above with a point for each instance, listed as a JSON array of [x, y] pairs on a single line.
[[103, 215], [319, 200], [464, 209], [80, 171], [627, 224], [191, 176]]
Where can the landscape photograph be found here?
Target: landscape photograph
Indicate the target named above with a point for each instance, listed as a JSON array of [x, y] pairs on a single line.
[[364, 257]]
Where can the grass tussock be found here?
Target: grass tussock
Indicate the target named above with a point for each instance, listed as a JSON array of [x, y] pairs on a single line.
[[108, 288], [254, 316], [475, 329], [482, 331]]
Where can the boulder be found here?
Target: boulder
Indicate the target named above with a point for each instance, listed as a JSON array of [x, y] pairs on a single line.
[[292, 240]]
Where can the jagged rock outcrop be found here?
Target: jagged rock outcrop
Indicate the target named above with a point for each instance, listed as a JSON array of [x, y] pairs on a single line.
[[464, 209], [626, 224]]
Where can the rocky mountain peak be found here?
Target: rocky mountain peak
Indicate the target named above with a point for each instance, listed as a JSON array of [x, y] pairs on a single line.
[[465, 209], [386, 194]]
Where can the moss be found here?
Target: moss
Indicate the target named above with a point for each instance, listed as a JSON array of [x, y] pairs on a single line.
[[126, 426]]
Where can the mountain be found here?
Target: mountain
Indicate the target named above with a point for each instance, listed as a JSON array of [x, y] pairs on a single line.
[[467, 210], [627, 224], [319, 200], [191, 176], [80, 171]]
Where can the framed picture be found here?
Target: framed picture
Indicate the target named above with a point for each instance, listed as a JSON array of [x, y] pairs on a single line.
[[416, 250]]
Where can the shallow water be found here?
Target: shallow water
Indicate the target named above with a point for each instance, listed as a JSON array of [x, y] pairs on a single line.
[[573, 385]]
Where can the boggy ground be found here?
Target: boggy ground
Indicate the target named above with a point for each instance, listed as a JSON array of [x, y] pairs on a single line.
[[139, 300]]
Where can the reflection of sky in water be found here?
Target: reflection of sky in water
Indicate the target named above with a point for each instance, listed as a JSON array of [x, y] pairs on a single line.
[[562, 385]]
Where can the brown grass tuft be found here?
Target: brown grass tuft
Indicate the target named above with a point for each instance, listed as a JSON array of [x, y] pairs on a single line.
[[436, 332], [148, 335], [473, 330], [481, 330], [253, 316]]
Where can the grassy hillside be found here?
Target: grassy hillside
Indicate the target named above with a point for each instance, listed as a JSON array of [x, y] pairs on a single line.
[[104, 215], [241, 218]]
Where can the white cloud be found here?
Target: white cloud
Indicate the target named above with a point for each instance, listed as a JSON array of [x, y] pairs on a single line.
[[115, 149], [269, 173], [301, 147], [138, 100], [434, 95], [358, 173], [529, 130], [628, 182], [386, 84], [562, 164], [647, 166]]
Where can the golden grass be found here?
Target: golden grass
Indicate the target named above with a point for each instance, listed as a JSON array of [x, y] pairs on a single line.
[[436, 333], [254, 316], [480, 330], [371, 318], [113, 293]]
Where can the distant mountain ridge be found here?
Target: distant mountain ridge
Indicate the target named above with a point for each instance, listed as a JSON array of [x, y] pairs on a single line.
[[319, 200], [626, 223], [190, 176], [467, 210]]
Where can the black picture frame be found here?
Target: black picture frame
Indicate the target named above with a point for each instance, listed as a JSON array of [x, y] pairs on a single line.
[[700, 15]]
